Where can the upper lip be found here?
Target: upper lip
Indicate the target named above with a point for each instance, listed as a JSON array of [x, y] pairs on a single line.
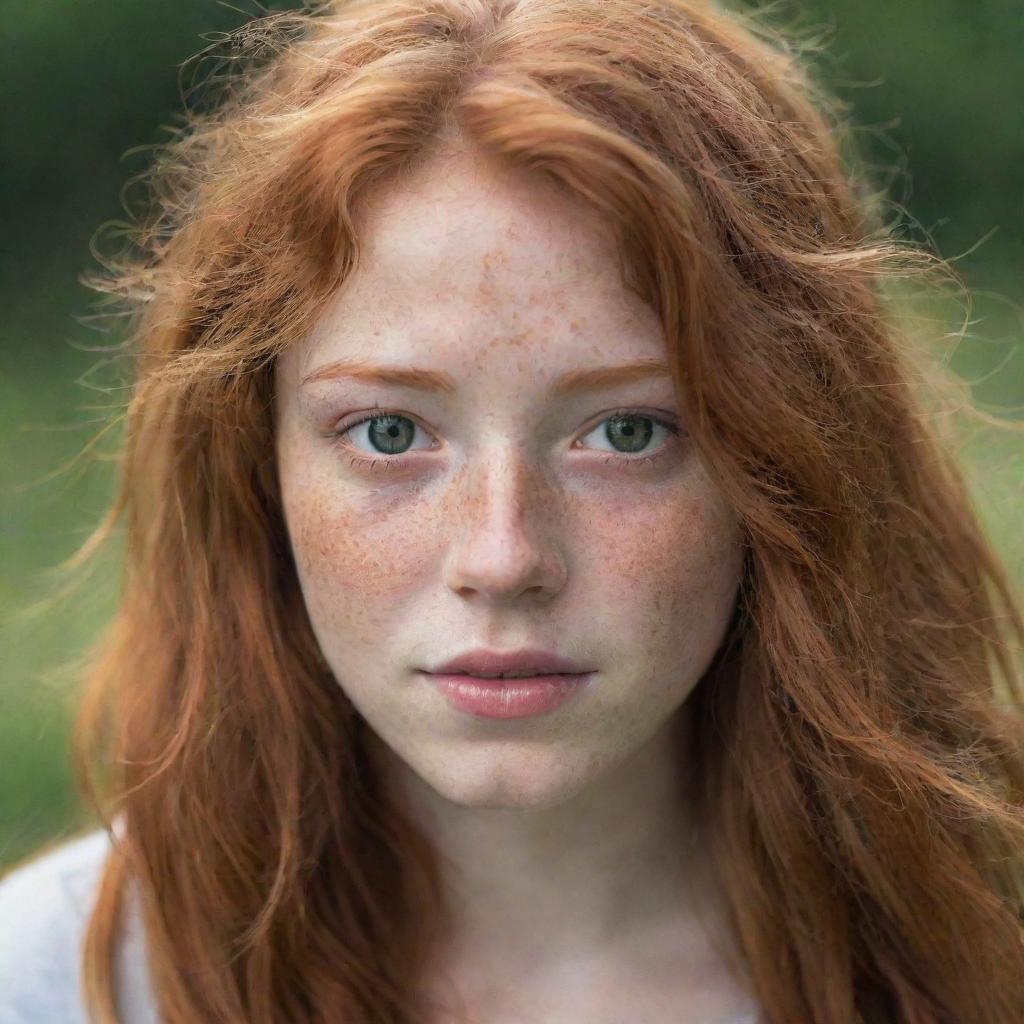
[[527, 661]]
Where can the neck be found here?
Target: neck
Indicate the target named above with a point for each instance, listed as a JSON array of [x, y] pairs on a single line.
[[595, 878]]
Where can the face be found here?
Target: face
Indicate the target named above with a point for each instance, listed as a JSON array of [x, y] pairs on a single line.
[[502, 511]]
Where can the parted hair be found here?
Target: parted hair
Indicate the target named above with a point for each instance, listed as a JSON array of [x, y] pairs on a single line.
[[858, 737]]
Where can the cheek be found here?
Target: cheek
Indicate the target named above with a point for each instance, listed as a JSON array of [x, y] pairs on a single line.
[[670, 562], [356, 560]]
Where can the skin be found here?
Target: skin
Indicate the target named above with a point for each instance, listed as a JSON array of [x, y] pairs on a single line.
[[509, 519]]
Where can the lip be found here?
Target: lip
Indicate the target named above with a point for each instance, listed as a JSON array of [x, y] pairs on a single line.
[[509, 698], [526, 661]]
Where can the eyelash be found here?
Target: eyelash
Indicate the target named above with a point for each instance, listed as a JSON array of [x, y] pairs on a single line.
[[379, 411]]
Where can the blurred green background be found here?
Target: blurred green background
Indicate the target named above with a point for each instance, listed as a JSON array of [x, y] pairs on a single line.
[[935, 86]]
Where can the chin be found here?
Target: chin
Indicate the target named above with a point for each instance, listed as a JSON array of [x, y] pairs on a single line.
[[518, 777]]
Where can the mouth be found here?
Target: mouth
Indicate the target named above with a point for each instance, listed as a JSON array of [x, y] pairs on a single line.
[[510, 697], [508, 676], [526, 663]]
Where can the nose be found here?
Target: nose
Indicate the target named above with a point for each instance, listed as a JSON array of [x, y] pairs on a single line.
[[507, 542]]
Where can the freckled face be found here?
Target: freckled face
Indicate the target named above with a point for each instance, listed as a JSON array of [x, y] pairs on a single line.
[[504, 513]]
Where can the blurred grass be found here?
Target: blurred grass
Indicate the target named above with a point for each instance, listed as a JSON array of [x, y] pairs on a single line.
[[48, 506]]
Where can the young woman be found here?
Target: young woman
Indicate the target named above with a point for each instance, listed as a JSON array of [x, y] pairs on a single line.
[[547, 339]]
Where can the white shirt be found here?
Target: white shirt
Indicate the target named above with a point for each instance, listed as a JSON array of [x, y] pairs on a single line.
[[43, 910]]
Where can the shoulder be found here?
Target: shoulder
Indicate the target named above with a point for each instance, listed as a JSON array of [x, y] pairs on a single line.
[[44, 906]]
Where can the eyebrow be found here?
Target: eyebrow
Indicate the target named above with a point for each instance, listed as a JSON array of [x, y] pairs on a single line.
[[419, 379]]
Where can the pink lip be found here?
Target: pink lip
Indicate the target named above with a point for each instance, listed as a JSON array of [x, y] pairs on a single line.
[[527, 661], [509, 698]]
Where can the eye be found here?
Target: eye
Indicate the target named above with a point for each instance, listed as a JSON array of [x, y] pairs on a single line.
[[629, 431], [387, 434]]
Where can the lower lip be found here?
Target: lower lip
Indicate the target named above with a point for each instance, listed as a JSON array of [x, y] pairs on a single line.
[[509, 698]]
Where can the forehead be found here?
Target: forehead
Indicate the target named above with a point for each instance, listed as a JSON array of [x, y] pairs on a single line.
[[466, 256], [461, 208]]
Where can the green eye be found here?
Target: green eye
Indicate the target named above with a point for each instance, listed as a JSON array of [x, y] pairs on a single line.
[[628, 431]]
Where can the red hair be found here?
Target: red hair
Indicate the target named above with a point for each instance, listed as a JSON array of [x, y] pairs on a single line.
[[861, 770]]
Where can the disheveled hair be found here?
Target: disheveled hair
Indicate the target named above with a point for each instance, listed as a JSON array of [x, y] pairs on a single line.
[[858, 739]]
